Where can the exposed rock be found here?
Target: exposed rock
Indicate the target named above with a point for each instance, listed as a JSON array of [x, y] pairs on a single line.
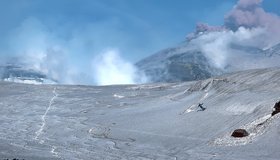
[[276, 108], [240, 133]]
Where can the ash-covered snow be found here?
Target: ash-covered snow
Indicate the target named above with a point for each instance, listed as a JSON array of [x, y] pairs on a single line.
[[149, 121]]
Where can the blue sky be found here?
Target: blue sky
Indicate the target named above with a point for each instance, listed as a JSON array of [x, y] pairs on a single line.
[[137, 28]]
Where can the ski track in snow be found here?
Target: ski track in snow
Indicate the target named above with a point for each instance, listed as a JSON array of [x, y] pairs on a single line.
[[42, 127], [194, 106], [43, 118], [103, 133]]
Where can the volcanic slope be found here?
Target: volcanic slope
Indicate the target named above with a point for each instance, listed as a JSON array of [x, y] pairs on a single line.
[[151, 121], [188, 62]]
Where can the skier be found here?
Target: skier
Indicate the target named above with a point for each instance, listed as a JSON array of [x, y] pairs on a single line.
[[201, 107]]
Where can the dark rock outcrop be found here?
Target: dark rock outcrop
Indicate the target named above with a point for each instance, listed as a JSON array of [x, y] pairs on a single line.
[[276, 108], [240, 133]]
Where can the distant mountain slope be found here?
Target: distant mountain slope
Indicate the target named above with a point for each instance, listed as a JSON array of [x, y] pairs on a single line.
[[19, 74], [274, 50], [187, 62], [182, 63]]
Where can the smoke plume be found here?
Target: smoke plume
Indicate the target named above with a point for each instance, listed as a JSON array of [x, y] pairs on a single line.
[[248, 29], [250, 14]]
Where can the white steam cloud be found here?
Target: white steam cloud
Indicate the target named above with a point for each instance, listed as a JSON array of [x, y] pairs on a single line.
[[110, 68], [240, 44], [218, 48], [36, 47]]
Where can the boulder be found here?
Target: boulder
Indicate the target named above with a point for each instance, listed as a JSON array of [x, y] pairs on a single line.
[[276, 108], [240, 133]]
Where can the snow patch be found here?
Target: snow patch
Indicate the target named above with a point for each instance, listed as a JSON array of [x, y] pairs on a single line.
[[118, 96], [255, 129]]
